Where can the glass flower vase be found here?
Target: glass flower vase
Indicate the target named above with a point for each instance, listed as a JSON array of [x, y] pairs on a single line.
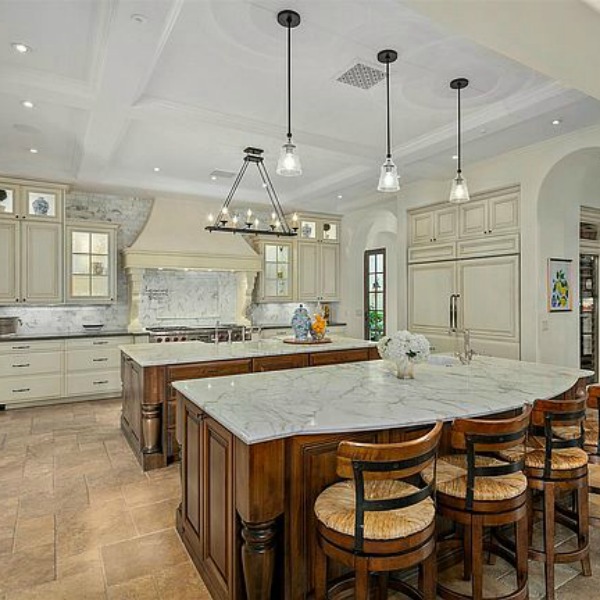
[[405, 369]]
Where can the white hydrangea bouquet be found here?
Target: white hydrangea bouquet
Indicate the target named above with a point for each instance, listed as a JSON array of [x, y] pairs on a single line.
[[404, 349]]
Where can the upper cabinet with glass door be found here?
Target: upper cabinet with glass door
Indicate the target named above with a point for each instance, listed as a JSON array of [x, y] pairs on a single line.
[[276, 277], [20, 199], [313, 228], [91, 263]]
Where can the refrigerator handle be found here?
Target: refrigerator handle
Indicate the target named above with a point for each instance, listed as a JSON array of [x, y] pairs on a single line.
[[456, 297], [452, 299]]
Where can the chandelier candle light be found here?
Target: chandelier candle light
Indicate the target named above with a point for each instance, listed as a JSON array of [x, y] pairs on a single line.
[[289, 161], [388, 179], [227, 222], [459, 192]]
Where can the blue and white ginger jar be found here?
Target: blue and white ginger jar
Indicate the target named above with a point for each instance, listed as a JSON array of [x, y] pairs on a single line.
[[301, 323]]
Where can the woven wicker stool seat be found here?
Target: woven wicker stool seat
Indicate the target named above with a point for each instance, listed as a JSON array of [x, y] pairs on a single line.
[[375, 522], [336, 509], [590, 429], [563, 459], [477, 491], [452, 479]]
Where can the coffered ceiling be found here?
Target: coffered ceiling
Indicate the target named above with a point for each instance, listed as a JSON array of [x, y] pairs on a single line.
[[123, 86]]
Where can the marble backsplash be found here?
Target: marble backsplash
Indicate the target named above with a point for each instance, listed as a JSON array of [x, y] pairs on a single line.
[[277, 313], [187, 298]]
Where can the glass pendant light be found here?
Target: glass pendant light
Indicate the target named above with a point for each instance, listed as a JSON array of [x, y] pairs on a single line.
[[288, 164], [459, 193], [388, 178]]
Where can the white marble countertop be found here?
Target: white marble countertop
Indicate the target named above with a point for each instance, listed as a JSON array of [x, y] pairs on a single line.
[[367, 396], [151, 355]]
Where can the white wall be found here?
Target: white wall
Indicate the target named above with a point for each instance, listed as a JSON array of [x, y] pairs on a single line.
[[551, 195]]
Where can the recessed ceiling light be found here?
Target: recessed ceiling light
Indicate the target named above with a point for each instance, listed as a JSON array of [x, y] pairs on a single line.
[[156, 169], [213, 177], [340, 196], [264, 185], [455, 157], [33, 150], [139, 19], [28, 104], [556, 122], [20, 48]]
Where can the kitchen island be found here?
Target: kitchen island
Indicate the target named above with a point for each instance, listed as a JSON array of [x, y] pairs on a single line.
[[258, 449], [148, 370]]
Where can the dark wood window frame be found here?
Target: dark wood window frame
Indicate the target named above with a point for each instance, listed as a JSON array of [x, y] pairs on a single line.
[[368, 292]]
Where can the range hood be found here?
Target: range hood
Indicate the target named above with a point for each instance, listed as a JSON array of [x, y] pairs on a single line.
[[174, 238]]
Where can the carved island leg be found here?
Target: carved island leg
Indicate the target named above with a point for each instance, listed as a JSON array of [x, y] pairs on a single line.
[[258, 558], [151, 428]]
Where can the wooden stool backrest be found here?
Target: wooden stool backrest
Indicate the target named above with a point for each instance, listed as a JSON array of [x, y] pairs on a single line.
[[485, 437], [548, 414], [368, 462]]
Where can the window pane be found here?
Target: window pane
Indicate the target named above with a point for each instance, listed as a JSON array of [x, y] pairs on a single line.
[[8, 204], [270, 253], [81, 264], [372, 305], [282, 287], [379, 263], [282, 253], [100, 286], [80, 242], [308, 230], [329, 231], [41, 204], [80, 285], [372, 263], [282, 272], [99, 243], [271, 287], [271, 271], [99, 265]]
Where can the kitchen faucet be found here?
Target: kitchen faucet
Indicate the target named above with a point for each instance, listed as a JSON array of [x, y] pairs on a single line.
[[217, 332]]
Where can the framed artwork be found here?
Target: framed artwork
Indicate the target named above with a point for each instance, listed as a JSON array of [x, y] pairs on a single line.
[[560, 285]]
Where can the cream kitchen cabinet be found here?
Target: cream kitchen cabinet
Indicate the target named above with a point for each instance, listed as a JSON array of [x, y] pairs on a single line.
[[318, 272], [276, 281], [31, 242], [433, 225], [91, 263], [495, 214], [317, 228], [481, 295]]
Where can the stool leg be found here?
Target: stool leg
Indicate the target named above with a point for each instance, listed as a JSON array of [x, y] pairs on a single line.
[[477, 554], [583, 527], [320, 574], [549, 539], [530, 515], [468, 552], [382, 585], [521, 551], [361, 585], [429, 577]]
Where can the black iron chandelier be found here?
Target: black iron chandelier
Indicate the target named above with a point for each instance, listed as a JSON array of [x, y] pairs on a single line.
[[231, 222]]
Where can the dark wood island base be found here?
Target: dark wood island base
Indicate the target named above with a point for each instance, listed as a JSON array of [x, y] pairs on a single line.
[[246, 515], [149, 413]]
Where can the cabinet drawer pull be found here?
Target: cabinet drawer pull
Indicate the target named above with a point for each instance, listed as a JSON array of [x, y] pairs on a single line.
[[101, 382], [21, 347], [99, 359], [19, 390], [103, 343], [21, 365]]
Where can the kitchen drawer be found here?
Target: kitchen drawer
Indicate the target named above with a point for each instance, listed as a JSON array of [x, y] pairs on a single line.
[[101, 358], [209, 369], [278, 363], [33, 363], [14, 390], [24, 346], [337, 357], [84, 384], [99, 342]]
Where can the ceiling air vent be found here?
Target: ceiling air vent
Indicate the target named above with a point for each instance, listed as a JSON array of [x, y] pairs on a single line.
[[362, 76], [218, 174]]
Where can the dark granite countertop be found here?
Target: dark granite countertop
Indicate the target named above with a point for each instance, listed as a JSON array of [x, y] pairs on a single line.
[[66, 335]]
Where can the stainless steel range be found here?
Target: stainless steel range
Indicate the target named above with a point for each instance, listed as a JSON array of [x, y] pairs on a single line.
[[181, 333]]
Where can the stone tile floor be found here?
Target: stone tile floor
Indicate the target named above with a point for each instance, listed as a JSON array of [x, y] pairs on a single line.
[[80, 521]]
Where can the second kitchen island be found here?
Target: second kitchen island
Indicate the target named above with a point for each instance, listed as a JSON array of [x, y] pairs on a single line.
[[149, 370]]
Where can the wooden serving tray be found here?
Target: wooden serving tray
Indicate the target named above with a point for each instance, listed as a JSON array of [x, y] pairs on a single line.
[[309, 342]]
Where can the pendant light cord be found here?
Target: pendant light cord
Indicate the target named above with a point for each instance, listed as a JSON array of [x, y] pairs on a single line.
[[459, 170], [389, 135], [289, 77]]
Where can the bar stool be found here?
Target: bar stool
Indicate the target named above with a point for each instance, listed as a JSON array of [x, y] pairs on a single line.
[[555, 466], [376, 522], [477, 490]]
